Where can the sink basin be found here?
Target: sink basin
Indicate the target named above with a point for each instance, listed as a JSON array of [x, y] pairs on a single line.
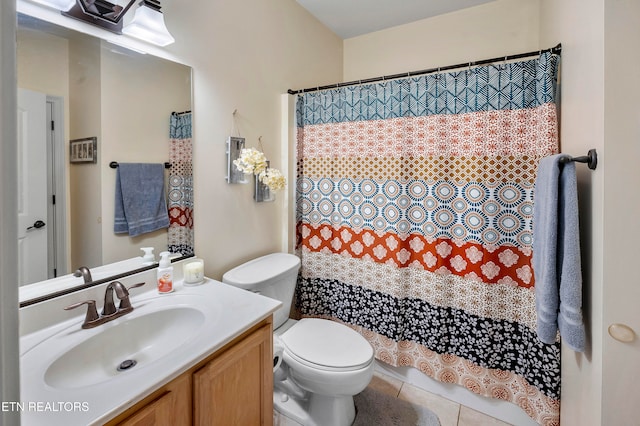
[[126, 346], [164, 334]]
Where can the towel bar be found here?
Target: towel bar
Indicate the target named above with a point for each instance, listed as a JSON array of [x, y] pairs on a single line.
[[114, 165], [591, 159]]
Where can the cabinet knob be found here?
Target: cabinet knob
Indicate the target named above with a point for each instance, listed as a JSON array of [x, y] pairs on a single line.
[[622, 333]]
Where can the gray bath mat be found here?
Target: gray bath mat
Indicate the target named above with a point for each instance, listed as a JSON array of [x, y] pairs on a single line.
[[376, 408]]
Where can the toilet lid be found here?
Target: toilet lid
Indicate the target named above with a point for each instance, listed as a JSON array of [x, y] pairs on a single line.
[[327, 343]]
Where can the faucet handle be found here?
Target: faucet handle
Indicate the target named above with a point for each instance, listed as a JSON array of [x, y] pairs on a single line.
[[136, 285], [92, 312], [125, 303]]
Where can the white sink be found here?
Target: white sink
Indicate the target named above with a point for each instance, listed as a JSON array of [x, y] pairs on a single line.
[[159, 327], [164, 334], [132, 344]]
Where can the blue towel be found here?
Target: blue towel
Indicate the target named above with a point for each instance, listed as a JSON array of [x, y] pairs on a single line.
[[140, 205], [556, 254]]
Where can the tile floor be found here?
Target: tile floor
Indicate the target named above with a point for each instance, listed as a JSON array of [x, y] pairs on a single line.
[[450, 413]]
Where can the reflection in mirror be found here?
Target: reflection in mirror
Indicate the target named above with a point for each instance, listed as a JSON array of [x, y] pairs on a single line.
[[75, 86]]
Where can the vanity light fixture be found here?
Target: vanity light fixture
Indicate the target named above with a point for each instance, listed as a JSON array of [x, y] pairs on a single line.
[[102, 13], [148, 24], [62, 5]]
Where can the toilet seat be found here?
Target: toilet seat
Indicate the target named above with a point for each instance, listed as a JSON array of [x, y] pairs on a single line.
[[327, 345]]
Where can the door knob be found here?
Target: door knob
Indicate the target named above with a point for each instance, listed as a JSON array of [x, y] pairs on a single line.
[[622, 333], [36, 225]]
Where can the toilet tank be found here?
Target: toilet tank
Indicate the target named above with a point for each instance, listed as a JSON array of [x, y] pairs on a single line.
[[273, 275]]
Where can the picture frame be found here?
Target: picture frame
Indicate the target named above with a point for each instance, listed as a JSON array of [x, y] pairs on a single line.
[[83, 150]]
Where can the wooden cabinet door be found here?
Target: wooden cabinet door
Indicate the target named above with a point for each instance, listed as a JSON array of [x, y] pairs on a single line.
[[236, 387], [170, 406]]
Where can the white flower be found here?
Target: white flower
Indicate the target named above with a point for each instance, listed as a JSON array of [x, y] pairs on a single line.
[[251, 161], [273, 178]]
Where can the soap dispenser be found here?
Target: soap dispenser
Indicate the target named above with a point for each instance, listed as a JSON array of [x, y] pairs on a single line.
[[148, 258], [165, 274]]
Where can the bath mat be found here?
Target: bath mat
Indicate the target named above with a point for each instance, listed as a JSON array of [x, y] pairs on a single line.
[[376, 408]]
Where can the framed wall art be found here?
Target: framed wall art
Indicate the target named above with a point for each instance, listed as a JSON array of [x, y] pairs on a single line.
[[83, 150]]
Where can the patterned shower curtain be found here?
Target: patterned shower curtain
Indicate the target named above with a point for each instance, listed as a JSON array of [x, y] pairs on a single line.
[[414, 215], [180, 185]]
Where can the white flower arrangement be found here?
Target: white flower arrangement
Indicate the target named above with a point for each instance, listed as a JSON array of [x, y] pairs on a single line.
[[252, 161], [273, 178]]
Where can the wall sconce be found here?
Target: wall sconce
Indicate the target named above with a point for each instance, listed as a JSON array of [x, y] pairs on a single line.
[[147, 23]]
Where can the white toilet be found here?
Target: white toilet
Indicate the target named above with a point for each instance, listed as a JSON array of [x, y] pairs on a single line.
[[324, 363]]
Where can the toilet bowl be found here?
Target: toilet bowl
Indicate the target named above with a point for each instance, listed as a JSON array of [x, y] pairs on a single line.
[[324, 363], [330, 362]]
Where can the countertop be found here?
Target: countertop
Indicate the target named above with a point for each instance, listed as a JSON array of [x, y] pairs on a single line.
[[232, 311]]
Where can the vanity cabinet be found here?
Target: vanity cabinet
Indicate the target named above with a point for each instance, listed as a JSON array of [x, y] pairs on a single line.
[[236, 387], [169, 406], [233, 386]]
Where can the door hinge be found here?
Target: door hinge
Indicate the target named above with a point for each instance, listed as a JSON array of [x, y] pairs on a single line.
[[53, 199], [53, 125], [55, 272]]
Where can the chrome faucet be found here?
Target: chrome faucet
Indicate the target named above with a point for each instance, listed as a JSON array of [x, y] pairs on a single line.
[[83, 272], [109, 311]]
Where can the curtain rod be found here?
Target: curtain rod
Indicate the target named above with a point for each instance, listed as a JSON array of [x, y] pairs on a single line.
[[555, 50]]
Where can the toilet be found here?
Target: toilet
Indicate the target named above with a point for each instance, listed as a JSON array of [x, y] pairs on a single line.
[[323, 363]]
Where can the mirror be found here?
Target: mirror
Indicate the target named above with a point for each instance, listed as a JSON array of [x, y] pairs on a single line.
[[89, 88]]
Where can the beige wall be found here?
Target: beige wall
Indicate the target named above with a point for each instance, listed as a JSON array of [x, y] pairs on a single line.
[[245, 55], [579, 25], [84, 179], [502, 27], [43, 63], [621, 202], [139, 93]]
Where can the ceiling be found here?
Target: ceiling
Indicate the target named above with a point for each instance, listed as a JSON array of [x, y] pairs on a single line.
[[350, 18]]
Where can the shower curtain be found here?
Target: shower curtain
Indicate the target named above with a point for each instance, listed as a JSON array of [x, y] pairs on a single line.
[[180, 196], [414, 213]]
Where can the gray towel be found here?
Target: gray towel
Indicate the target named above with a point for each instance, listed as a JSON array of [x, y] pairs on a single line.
[[140, 205], [556, 254]]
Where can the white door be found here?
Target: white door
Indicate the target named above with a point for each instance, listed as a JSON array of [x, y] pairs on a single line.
[[32, 187]]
